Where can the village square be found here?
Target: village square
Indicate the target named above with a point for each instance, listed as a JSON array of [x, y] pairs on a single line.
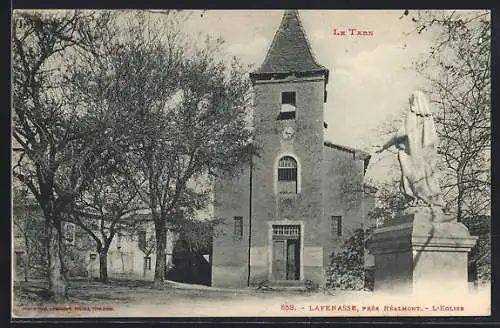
[[155, 172]]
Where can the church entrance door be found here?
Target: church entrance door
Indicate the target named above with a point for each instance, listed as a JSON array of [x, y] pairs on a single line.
[[286, 252]]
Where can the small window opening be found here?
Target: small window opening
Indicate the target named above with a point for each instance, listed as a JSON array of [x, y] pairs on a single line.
[[336, 225], [288, 106], [238, 227]]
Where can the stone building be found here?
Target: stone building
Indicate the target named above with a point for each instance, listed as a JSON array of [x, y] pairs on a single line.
[[131, 254], [303, 196]]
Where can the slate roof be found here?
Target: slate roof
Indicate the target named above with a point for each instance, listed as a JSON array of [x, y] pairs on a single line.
[[290, 50]]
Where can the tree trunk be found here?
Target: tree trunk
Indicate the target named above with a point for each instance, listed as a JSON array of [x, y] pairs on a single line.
[[57, 281], [459, 201], [25, 273], [103, 265], [161, 245], [26, 259]]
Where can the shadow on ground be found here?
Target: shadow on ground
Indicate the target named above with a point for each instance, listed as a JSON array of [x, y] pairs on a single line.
[[122, 291], [131, 298]]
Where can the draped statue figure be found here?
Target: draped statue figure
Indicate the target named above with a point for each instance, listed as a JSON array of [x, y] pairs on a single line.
[[416, 142]]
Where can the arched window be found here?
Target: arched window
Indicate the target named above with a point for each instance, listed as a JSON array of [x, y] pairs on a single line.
[[287, 175]]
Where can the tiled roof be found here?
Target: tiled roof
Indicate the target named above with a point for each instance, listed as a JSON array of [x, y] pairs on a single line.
[[358, 153], [290, 50]]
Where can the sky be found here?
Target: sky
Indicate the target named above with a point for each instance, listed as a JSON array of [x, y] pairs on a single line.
[[371, 77]]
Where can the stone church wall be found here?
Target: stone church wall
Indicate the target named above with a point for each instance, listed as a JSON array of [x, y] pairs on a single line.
[[230, 255]]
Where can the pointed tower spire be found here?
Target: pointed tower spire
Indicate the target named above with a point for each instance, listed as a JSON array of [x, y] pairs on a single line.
[[290, 51]]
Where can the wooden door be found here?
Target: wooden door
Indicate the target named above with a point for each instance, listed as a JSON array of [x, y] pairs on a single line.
[[279, 260], [292, 259]]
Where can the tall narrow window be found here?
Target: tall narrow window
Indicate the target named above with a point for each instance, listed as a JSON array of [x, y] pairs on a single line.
[[287, 175], [118, 241], [238, 227], [336, 225], [287, 106], [147, 263]]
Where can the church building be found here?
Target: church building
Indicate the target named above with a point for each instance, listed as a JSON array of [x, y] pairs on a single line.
[[303, 196]]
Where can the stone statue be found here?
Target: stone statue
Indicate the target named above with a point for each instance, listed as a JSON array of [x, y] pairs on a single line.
[[416, 143]]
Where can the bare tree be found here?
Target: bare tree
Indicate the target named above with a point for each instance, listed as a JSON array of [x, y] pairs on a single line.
[[458, 73], [44, 120], [458, 81]]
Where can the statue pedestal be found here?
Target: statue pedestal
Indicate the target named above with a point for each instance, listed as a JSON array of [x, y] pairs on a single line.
[[421, 251]]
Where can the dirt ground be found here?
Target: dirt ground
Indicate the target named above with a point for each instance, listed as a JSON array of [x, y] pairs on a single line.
[[127, 298]]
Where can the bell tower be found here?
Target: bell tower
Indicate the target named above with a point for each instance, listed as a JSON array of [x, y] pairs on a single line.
[[289, 209], [289, 95], [290, 87]]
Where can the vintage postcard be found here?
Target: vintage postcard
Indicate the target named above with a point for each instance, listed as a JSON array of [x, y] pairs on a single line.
[[251, 163]]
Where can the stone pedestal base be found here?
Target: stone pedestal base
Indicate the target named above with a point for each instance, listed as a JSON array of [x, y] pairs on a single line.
[[421, 251]]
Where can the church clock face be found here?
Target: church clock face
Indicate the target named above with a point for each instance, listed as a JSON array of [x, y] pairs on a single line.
[[288, 132]]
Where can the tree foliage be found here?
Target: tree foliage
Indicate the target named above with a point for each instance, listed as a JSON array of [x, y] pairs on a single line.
[[124, 113], [51, 156], [389, 202], [105, 206], [197, 235], [347, 267], [185, 110]]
